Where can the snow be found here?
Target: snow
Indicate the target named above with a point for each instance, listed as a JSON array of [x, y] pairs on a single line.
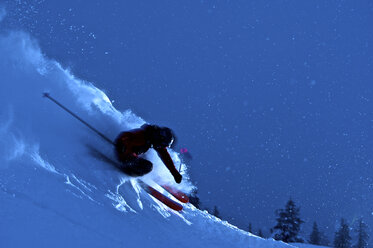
[[54, 193], [300, 245]]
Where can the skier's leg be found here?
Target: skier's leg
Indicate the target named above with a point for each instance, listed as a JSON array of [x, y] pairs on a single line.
[[136, 166], [144, 166]]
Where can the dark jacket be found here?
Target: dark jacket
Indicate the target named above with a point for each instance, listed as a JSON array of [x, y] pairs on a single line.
[[134, 142]]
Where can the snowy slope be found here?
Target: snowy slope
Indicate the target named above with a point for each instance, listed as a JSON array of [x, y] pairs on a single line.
[[300, 245], [55, 192]]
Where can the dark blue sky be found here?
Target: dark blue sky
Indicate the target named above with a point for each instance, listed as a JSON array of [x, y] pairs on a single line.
[[274, 100]]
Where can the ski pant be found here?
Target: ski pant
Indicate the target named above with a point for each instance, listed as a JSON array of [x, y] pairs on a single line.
[[135, 166]]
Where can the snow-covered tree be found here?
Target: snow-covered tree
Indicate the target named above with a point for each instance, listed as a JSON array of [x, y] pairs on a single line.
[[362, 235], [342, 237], [288, 223], [315, 236]]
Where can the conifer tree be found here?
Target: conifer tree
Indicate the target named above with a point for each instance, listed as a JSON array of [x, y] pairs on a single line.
[[342, 237], [260, 233], [250, 228], [288, 223], [216, 212], [362, 235], [315, 237], [194, 199]]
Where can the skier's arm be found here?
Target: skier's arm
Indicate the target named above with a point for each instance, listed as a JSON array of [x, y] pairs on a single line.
[[167, 160]]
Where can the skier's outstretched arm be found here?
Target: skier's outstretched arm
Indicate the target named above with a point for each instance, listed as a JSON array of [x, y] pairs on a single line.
[[167, 160]]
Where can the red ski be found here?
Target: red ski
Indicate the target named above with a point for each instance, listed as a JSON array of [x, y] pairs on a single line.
[[176, 193], [162, 198]]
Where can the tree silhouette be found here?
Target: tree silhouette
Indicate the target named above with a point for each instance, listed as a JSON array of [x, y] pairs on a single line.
[[288, 223], [250, 228], [260, 233], [216, 212], [362, 235], [315, 237], [194, 199], [342, 237]]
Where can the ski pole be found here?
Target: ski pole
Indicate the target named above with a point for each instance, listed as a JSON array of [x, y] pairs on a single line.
[[77, 117]]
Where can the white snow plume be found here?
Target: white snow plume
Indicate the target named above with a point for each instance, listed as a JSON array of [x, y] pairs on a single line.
[[53, 184], [25, 75]]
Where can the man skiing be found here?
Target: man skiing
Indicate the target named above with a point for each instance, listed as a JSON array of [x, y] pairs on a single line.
[[130, 144]]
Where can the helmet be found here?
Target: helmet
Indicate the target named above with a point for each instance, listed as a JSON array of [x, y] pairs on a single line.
[[163, 137]]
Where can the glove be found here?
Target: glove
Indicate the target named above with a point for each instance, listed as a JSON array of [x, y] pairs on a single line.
[[177, 177]]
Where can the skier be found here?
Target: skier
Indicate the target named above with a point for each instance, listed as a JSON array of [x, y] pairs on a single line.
[[130, 144]]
